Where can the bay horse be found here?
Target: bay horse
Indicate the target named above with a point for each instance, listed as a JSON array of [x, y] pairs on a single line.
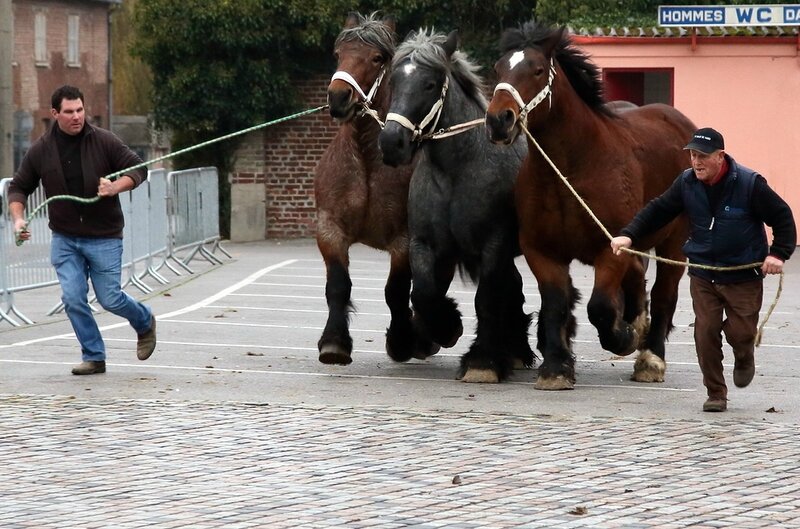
[[358, 198], [461, 208], [617, 162]]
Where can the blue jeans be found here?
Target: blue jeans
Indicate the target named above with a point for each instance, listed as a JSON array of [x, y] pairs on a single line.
[[76, 259]]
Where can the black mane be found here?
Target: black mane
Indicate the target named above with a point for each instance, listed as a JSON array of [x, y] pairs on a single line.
[[582, 73]]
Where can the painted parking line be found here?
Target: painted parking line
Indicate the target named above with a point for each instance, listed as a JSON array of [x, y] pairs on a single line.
[[200, 304]]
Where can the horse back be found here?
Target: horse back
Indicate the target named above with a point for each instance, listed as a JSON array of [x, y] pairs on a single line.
[[658, 133]]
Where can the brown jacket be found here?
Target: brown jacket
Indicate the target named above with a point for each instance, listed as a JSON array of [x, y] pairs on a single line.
[[102, 154]]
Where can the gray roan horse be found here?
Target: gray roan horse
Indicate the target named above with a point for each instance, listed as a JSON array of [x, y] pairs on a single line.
[[358, 198], [461, 206]]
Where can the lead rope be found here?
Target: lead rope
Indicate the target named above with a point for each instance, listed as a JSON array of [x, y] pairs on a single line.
[[586, 207], [114, 176]]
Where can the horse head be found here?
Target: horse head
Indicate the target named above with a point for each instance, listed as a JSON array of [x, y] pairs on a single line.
[[419, 81], [525, 75], [363, 51]]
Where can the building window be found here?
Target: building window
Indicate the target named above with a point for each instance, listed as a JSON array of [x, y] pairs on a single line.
[[40, 39], [640, 86], [73, 42]]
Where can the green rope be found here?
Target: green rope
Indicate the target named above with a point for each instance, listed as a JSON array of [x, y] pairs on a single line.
[[114, 176]]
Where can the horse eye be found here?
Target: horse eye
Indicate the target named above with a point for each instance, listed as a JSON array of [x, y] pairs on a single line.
[[430, 86], [377, 60], [336, 55], [539, 71]]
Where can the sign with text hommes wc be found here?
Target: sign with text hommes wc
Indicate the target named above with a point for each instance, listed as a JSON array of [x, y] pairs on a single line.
[[740, 15]]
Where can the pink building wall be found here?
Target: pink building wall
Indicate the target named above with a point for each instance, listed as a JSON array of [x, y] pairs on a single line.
[[748, 88]]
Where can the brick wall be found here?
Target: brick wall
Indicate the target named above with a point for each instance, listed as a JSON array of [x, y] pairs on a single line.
[[283, 157]]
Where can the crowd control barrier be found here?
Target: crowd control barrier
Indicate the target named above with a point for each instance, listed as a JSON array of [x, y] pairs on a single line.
[[173, 217]]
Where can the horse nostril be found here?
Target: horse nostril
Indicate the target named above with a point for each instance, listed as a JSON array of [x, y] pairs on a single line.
[[495, 126], [509, 118]]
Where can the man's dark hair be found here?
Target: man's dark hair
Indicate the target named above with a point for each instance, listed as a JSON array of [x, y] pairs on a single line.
[[65, 92]]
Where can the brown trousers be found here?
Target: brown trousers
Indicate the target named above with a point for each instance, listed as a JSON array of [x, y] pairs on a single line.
[[740, 303]]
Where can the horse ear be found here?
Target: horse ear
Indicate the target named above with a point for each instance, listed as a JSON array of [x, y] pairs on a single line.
[[351, 21], [551, 43], [390, 22], [451, 44]]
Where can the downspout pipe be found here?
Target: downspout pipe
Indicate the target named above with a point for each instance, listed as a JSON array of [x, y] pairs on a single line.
[[109, 70]]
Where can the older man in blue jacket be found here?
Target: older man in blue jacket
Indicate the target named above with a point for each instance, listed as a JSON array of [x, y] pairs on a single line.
[[727, 205]]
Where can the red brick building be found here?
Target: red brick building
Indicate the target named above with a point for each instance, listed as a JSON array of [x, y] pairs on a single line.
[[58, 42]]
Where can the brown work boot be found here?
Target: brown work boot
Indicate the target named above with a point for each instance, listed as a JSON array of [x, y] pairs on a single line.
[[89, 368], [714, 404], [743, 372], [146, 343]]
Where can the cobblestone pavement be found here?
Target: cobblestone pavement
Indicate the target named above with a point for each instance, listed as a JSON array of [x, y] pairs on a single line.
[[235, 424], [132, 463]]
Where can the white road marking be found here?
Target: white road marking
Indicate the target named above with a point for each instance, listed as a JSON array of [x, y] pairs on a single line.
[[200, 304]]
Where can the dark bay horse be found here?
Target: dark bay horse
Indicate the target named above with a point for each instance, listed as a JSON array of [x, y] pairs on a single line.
[[617, 162], [358, 198], [461, 208]]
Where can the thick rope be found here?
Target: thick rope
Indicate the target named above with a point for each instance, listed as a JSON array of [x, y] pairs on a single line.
[[656, 257], [114, 176]]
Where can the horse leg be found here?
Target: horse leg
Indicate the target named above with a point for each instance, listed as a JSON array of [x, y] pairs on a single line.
[[435, 312], [502, 327], [556, 325], [651, 363], [336, 344], [517, 322], [405, 339], [606, 306]]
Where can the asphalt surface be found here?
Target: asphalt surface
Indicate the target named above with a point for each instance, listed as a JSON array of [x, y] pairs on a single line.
[[234, 423]]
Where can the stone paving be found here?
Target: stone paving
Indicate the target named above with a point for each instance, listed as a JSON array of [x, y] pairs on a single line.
[[121, 463], [235, 424]]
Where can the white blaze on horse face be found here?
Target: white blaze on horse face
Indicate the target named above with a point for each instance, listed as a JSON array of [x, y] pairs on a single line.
[[516, 58], [409, 68]]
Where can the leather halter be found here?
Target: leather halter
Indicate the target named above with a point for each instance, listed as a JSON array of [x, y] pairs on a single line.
[[432, 117], [366, 99], [546, 92]]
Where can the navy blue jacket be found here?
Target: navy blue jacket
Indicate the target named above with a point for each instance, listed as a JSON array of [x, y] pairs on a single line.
[[733, 232]]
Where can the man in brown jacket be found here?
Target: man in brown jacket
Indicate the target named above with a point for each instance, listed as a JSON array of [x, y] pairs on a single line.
[[73, 158]]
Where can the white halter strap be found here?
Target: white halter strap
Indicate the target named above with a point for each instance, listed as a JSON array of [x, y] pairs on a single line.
[[432, 117], [341, 75], [546, 92]]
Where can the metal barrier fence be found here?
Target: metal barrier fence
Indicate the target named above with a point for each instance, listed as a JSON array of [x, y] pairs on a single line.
[[169, 215], [193, 209]]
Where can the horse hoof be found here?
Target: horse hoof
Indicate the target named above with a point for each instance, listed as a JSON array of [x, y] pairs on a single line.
[[480, 376], [648, 368], [333, 355], [423, 354], [631, 347], [554, 383]]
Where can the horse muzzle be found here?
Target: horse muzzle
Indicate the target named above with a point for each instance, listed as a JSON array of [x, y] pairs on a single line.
[[396, 145], [502, 127], [341, 104]]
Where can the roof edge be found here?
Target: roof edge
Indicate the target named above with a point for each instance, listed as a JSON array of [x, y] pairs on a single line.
[[683, 31]]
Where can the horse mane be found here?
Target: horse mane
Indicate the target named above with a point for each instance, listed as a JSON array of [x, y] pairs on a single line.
[[424, 47], [372, 31], [582, 73]]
